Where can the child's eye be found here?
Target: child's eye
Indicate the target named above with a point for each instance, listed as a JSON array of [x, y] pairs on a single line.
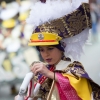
[[41, 50]]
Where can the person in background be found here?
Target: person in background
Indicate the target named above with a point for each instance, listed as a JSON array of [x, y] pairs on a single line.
[[95, 19], [8, 17]]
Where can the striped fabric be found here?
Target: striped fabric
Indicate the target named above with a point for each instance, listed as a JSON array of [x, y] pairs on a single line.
[[66, 91]]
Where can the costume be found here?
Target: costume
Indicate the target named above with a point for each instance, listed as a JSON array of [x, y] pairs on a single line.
[[69, 25]]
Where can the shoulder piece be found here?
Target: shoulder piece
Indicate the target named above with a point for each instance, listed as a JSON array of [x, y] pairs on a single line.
[[77, 69]]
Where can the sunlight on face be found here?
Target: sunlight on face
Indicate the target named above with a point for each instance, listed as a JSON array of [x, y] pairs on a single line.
[[50, 54]]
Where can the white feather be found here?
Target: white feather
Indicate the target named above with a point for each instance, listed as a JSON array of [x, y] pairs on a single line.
[[74, 45], [52, 9]]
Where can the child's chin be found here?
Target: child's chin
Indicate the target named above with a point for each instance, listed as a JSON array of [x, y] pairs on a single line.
[[51, 63]]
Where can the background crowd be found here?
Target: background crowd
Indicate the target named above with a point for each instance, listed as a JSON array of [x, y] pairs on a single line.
[[15, 55], [95, 16]]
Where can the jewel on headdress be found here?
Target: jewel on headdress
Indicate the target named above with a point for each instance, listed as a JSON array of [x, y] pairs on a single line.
[[40, 36]]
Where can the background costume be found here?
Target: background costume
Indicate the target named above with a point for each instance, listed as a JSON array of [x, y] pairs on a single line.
[[66, 21]]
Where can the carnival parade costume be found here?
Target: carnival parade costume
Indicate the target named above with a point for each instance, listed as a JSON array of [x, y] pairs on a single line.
[[64, 22]]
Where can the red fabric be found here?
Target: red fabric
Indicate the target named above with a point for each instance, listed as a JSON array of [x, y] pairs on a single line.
[[66, 91], [43, 40], [30, 89]]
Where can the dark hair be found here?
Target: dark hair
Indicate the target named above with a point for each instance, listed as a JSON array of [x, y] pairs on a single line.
[[59, 46]]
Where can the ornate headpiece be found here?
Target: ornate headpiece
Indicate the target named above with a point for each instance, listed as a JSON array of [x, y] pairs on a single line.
[[61, 20]]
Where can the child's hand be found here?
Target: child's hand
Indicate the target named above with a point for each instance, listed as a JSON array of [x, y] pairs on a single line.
[[40, 68]]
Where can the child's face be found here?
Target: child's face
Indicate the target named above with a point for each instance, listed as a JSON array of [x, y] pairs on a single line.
[[50, 54]]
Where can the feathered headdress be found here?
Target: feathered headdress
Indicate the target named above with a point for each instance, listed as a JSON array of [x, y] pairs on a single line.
[[67, 21]]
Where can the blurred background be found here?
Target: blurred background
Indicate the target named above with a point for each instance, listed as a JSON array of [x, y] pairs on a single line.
[[16, 56]]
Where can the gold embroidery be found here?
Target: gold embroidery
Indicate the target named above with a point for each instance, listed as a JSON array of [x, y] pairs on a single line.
[[78, 71], [87, 12], [44, 90], [74, 70], [69, 25]]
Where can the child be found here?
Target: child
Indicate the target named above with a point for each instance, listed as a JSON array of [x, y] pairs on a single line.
[[62, 28]]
